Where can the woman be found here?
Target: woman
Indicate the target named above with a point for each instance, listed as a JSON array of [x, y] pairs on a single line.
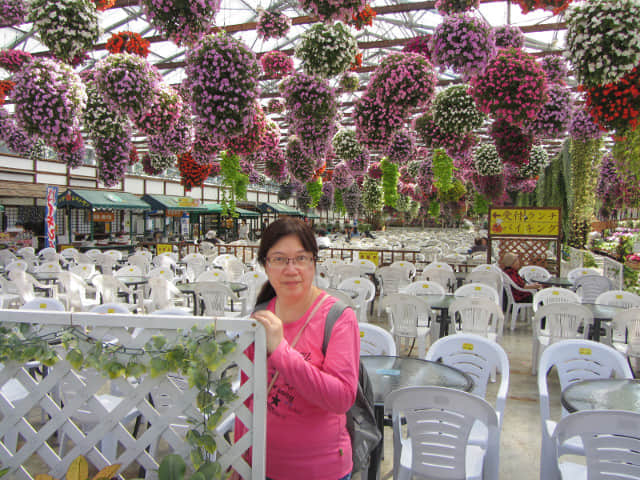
[[310, 393], [510, 265]]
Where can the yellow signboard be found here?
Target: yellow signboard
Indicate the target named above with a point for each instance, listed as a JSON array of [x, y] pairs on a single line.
[[163, 248], [531, 222], [373, 256]]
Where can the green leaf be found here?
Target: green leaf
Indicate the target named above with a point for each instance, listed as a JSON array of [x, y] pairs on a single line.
[[75, 358], [196, 458], [135, 369], [158, 366], [78, 470], [114, 369], [210, 470], [198, 476], [205, 401], [159, 341], [172, 468]]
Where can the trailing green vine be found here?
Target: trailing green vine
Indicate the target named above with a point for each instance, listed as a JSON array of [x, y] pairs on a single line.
[[338, 204], [235, 181], [314, 188], [442, 167], [390, 177], [434, 209], [198, 357], [586, 156]]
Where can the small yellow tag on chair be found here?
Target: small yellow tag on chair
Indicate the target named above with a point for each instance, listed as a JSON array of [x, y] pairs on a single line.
[[618, 297], [555, 292], [425, 285], [584, 351], [43, 305], [467, 346], [438, 266], [477, 288], [357, 282], [584, 272], [361, 334], [111, 310]]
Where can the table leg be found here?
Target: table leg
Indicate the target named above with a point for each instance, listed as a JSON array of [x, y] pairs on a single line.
[[595, 333], [444, 323], [376, 454]]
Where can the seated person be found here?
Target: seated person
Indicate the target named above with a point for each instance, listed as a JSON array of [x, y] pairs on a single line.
[[479, 245], [322, 240], [510, 265], [212, 236]]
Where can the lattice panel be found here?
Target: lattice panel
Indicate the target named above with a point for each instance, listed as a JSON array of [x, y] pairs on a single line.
[[530, 251], [93, 416], [614, 271]]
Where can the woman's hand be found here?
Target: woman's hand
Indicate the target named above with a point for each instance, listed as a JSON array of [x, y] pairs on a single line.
[[273, 326]]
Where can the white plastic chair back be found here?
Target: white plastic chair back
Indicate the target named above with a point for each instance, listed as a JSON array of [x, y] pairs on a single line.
[[214, 275], [234, 268], [43, 303], [195, 266], [576, 273], [534, 273], [626, 328], [375, 340], [611, 442], [365, 290], [478, 357], [574, 361], [49, 267], [70, 254], [23, 284], [440, 420], [618, 298], [409, 318], [164, 272], [163, 260], [6, 257], [109, 308], [75, 290], [492, 278], [216, 297], [254, 280], [408, 267], [478, 290], [48, 254], [445, 278], [477, 315], [486, 267], [26, 252], [106, 263], [438, 266], [84, 270], [94, 253], [390, 281], [22, 265], [161, 294], [562, 321], [107, 288], [588, 287], [143, 262], [551, 295], [424, 287], [129, 271], [367, 267], [117, 254], [198, 257], [340, 272], [343, 296]]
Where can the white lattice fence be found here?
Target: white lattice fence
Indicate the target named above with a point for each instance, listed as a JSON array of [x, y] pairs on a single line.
[[97, 417], [614, 271]]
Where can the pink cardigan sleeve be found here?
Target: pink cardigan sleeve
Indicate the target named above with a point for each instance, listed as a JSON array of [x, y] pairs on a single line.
[[334, 385]]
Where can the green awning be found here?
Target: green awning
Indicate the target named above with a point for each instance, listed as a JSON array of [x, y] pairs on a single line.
[[280, 209], [312, 215], [243, 213], [104, 199], [213, 207], [1, 208], [167, 202]]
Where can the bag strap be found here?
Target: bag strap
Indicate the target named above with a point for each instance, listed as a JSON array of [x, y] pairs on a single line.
[[297, 337], [334, 314]]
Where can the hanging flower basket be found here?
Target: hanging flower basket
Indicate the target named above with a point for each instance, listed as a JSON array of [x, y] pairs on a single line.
[[49, 99], [419, 45], [133, 155], [376, 122], [68, 28], [162, 112], [538, 160], [554, 117], [326, 199], [555, 67], [492, 186], [512, 142], [311, 111], [250, 141], [102, 5], [12, 12], [13, 60], [375, 171], [176, 139], [463, 43], [5, 87], [346, 145], [509, 36], [486, 160], [583, 127], [360, 163], [352, 200], [112, 156], [204, 150], [192, 173], [272, 24], [275, 165], [513, 87], [15, 138], [275, 105], [154, 164], [349, 82], [364, 17], [327, 50], [448, 7], [276, 64], [342, 177], [402, 148], [603, 40], [555, 6], [222, 76], [182, 22], [332, 10], [433, 136], [300, 166], [129, 42], [616, 106], [127, 82], [454, 110]]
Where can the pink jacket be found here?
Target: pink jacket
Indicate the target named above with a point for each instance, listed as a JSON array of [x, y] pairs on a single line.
[[306, 423]]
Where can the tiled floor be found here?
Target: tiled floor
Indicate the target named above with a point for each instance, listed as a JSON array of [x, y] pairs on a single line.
[[520, 438]]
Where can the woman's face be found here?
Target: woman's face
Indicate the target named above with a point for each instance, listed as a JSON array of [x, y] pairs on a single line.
[[292, 280]]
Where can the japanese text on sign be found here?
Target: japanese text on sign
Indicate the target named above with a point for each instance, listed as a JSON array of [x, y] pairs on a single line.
[[532, 222], [367, 255]]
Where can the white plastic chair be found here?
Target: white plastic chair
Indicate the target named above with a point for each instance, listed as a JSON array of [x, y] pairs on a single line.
[[254, 280], [341, 272], [576, 273], [438, 266], [24, 285], [48, 267], [214, 275], [164, 272], [408, 318], [486, 267], [493, 278], [390, 281], [408, 267], [117, 254], [477, 315], [438, 423], [143, 262], [216, 298], [551, 295], [367, 267], [342, 296], [162, 294], [44, 303], [48, 254], [107, 288], [375, 340], [444, 277], [366, 292], [588, 287], [129, 271], [17, 265], [562, 322], [514, 308], [75, 292], [534, 273], [84, 270], [627, 326], [478, 290], [478, 357], [110, 308], [574, 361], [611, 442]]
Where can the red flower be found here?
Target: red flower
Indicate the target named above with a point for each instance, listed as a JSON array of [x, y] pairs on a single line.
[[555, 6], [102, 5], [192, 173], [616, 106], [5, 87], [357, 62], [364, 17], [128, 42]]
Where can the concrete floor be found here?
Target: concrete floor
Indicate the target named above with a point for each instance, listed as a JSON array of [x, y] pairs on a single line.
[[520, 437]]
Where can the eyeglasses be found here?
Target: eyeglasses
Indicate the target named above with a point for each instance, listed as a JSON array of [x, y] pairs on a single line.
[[280, 261]]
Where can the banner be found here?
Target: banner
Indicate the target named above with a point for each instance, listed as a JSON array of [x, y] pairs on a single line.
[[368, 255], [50, 217], [530, 222]]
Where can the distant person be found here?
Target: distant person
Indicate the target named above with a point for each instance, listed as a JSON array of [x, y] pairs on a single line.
[[243, 230], [323, 240], [510, 265], [479, 245], [212, 236]]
